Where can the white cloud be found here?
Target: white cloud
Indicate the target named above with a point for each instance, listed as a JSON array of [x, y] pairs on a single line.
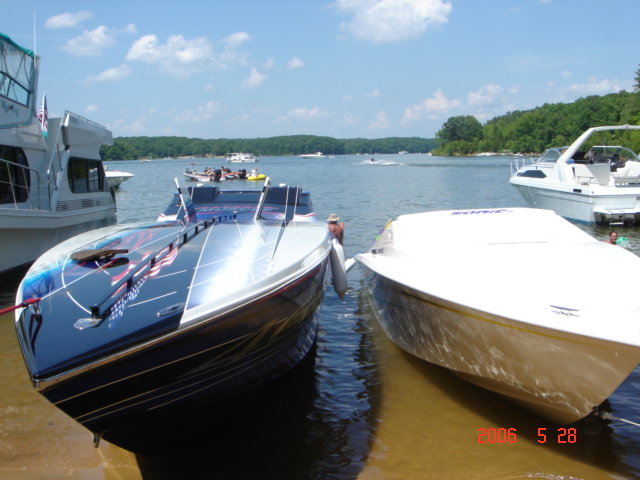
[[566, 74], [294, 63], [230, 56], [67, 20], [381, 122], [439, 104], [234, 40], [373, 94], [91, 42], [203, 113], [307, 113], [91, 109], [254, 80], [347, 98], [384, 21], [349, 119], [112, 74], [178, 57], [123, 127], [487, 95], [181, 57], [595, 86]]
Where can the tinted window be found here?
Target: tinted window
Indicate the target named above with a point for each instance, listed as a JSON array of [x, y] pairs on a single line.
[[85, 175]]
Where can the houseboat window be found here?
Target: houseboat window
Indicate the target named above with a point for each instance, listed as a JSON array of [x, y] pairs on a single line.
[[14, 175], [86, 175]]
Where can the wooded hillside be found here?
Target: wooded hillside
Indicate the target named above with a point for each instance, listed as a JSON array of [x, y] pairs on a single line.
[[551, 125], [134, 148]]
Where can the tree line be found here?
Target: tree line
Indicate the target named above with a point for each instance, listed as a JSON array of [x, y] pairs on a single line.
[[551, 125], [135, 148]]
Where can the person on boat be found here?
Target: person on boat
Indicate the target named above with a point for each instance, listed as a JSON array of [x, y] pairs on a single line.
[[613, 238], [336, 229], [372, 160], [254, 172]]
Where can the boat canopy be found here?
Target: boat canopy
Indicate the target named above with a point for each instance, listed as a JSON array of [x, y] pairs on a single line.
[[17, 71]]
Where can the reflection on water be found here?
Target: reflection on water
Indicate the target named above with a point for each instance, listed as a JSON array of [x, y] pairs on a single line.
[[357, 407]]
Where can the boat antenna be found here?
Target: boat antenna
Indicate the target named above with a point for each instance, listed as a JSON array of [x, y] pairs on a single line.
[[35, 51]]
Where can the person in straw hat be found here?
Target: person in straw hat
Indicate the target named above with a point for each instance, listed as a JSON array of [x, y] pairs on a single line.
[[335, 228]]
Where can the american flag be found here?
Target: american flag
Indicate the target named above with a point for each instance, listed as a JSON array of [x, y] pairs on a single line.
[[43, 115]]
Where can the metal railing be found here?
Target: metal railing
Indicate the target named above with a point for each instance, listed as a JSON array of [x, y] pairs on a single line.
[[34, 197]]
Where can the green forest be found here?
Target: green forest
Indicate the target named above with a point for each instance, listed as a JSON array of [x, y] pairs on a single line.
[[551, 125], [135, 148], [529, 132]]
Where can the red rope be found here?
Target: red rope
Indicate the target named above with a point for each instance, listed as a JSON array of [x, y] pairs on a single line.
[[26, 303]]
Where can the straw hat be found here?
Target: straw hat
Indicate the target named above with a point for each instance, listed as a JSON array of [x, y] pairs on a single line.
[[333, 218]]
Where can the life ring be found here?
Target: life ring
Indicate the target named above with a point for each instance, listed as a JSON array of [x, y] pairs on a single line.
[[338, 270]]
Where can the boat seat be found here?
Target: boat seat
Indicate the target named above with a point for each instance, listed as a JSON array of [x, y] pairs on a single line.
[[597, 173], [629, 174], [203, 195]]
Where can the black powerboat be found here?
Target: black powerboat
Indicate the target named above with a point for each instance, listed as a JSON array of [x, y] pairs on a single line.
[[138, 324]]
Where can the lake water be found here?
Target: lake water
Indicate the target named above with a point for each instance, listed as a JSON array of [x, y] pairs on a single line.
[[358, 407]]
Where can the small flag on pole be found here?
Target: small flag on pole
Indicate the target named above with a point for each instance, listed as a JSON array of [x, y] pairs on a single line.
[[43, 115]]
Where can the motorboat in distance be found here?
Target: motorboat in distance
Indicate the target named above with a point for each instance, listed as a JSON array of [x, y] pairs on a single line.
[[312, 155], [593, 184], [116, 177], [140, 325], [487, 301], [52, 182], [236, 157]]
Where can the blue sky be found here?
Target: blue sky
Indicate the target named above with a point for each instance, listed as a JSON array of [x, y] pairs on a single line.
[[341, 68]]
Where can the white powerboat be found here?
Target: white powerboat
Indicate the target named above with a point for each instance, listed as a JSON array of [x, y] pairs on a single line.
[[312, 155], [235, 157], [593, 184], [480, 293], [116, 177], [180, 320], [52, 183]]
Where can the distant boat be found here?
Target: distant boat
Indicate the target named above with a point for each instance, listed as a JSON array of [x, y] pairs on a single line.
[[116, 177], [241, 157], [52, 181], [313, 155], [600, 184]]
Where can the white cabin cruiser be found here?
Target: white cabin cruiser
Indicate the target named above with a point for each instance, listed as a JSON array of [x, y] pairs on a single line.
[[599, 184], [52, 183], [116, 177], [312, 155], [236, 157], [486, 301]]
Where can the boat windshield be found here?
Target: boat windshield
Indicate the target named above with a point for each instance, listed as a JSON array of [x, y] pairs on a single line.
[[605, 154], [552, 155], [17, 71]]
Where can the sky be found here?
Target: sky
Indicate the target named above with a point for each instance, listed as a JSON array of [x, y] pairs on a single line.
[[338, 68]]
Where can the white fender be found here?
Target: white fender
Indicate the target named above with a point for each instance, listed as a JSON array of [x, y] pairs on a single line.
[[338, 271]]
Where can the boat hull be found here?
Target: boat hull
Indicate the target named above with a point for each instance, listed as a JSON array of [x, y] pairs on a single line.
[[584, 203], [220, 361], [559, 376]]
